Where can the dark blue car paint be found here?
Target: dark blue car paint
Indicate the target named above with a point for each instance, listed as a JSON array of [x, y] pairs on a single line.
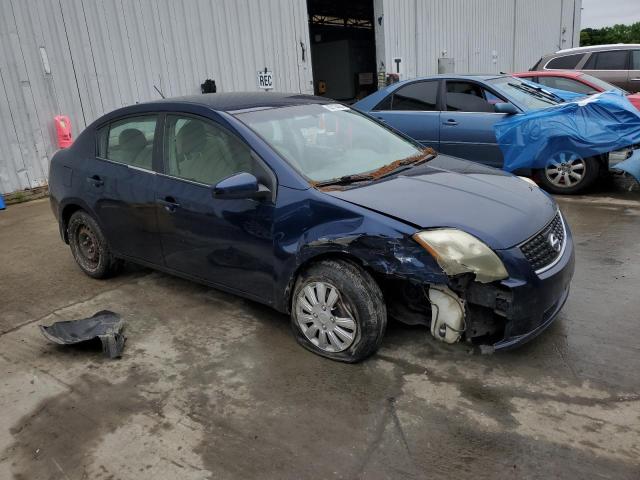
[[466, 135], [255, 247]]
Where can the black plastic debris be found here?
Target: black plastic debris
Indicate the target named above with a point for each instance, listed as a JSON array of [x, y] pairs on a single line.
[[105, 325]]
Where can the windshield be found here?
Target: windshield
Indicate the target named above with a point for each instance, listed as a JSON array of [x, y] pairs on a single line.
[[327, 142], [521, 93], [602, 84]]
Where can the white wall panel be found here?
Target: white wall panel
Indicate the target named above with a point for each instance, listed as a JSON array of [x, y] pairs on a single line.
[[482, 36], [110, 53]]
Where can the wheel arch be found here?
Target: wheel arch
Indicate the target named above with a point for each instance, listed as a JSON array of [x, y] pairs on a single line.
[[314, 260], [67, 209]]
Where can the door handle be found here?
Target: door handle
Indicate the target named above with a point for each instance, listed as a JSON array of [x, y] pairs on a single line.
[[381, 119], [635, 79], [451, 122], [169, 203], [95, 180]]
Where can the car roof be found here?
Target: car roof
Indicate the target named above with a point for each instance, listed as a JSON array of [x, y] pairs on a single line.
[[453, 76], [549, 73], [590, 48], [232, 101]]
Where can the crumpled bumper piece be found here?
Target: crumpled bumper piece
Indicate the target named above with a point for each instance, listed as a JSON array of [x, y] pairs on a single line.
[[631, 165], [104, 325]]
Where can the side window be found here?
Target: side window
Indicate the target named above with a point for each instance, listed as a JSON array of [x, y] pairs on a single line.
[[568, 62], [469, 97], [200, 151], [130, 141], [566, 84], [384, 104], [611, 60], [421, 96], [635, 60], [103, 136]]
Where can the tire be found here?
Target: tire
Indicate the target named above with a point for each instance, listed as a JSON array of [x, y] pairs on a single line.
[[551, 177], [355, 317], [90, 248]]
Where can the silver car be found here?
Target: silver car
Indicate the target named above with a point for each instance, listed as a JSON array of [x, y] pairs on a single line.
[[618, 64]]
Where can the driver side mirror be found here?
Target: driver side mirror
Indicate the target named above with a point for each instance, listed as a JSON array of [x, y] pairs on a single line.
[[241, 185], [507, 108]]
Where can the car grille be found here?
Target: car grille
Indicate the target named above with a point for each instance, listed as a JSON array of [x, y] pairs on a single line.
[[539, 249]]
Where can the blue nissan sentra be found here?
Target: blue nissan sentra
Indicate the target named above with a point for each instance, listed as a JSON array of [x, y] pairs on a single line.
[[318, 211]]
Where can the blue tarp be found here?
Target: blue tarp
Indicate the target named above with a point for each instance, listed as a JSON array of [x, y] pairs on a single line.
[[588, 126]]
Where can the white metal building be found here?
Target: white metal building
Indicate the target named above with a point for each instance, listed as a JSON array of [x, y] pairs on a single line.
[[83, 58]]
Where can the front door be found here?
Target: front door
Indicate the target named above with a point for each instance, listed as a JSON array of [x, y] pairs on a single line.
[[413, 109], [228, 242], [466, 126]]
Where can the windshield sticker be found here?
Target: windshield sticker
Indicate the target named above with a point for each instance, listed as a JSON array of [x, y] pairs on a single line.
[[335, 107]]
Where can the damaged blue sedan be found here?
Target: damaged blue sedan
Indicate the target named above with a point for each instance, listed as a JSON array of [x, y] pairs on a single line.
[[318, 211]]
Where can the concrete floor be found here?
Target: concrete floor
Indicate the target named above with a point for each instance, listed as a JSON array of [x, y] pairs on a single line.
[[213, 386]]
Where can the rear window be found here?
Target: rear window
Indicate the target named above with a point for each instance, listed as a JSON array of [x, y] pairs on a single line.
[[129, 141], [567, 62], [421, 96], [601, 83], [610, 60], [566, 84]]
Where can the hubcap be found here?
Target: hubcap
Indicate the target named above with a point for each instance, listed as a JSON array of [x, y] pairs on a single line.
[[324, 318], [88, 247], [565, 169]]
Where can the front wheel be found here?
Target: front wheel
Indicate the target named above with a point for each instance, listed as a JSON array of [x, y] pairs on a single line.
[[338, 311], [568, 173]]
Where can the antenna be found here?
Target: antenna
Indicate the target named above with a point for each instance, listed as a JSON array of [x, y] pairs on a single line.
[[158, 90]]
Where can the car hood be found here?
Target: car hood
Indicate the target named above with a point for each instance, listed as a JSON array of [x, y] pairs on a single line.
[[499, 208]]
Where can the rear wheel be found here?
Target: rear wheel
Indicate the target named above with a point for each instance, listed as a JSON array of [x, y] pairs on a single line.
[[89, 247], [568, 173], [338, 311]]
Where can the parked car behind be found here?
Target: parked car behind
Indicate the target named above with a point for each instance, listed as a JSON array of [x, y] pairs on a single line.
[[618, 64], [455, 115], [318, 211], [576, 82]]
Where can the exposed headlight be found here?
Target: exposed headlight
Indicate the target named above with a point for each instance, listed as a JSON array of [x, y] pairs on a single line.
[[528, 180], [458, 252]]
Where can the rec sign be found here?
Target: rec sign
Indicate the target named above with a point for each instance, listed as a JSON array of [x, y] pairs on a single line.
[[265, 80]]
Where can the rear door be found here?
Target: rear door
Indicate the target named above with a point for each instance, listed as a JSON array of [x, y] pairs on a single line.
[[228, 242], [610, 65], [466, 127], [414, 110], [120, 184]]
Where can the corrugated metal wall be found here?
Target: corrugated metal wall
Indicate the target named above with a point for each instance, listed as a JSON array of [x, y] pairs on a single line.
[[107, 54], [483, 36]]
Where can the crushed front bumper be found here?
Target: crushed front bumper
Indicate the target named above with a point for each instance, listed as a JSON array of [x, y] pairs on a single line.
[[526, 303]]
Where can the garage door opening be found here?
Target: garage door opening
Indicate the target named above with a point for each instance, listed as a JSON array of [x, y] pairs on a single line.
[[343, 49]]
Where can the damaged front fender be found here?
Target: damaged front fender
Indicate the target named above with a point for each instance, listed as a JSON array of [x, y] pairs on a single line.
[[380, 243]]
